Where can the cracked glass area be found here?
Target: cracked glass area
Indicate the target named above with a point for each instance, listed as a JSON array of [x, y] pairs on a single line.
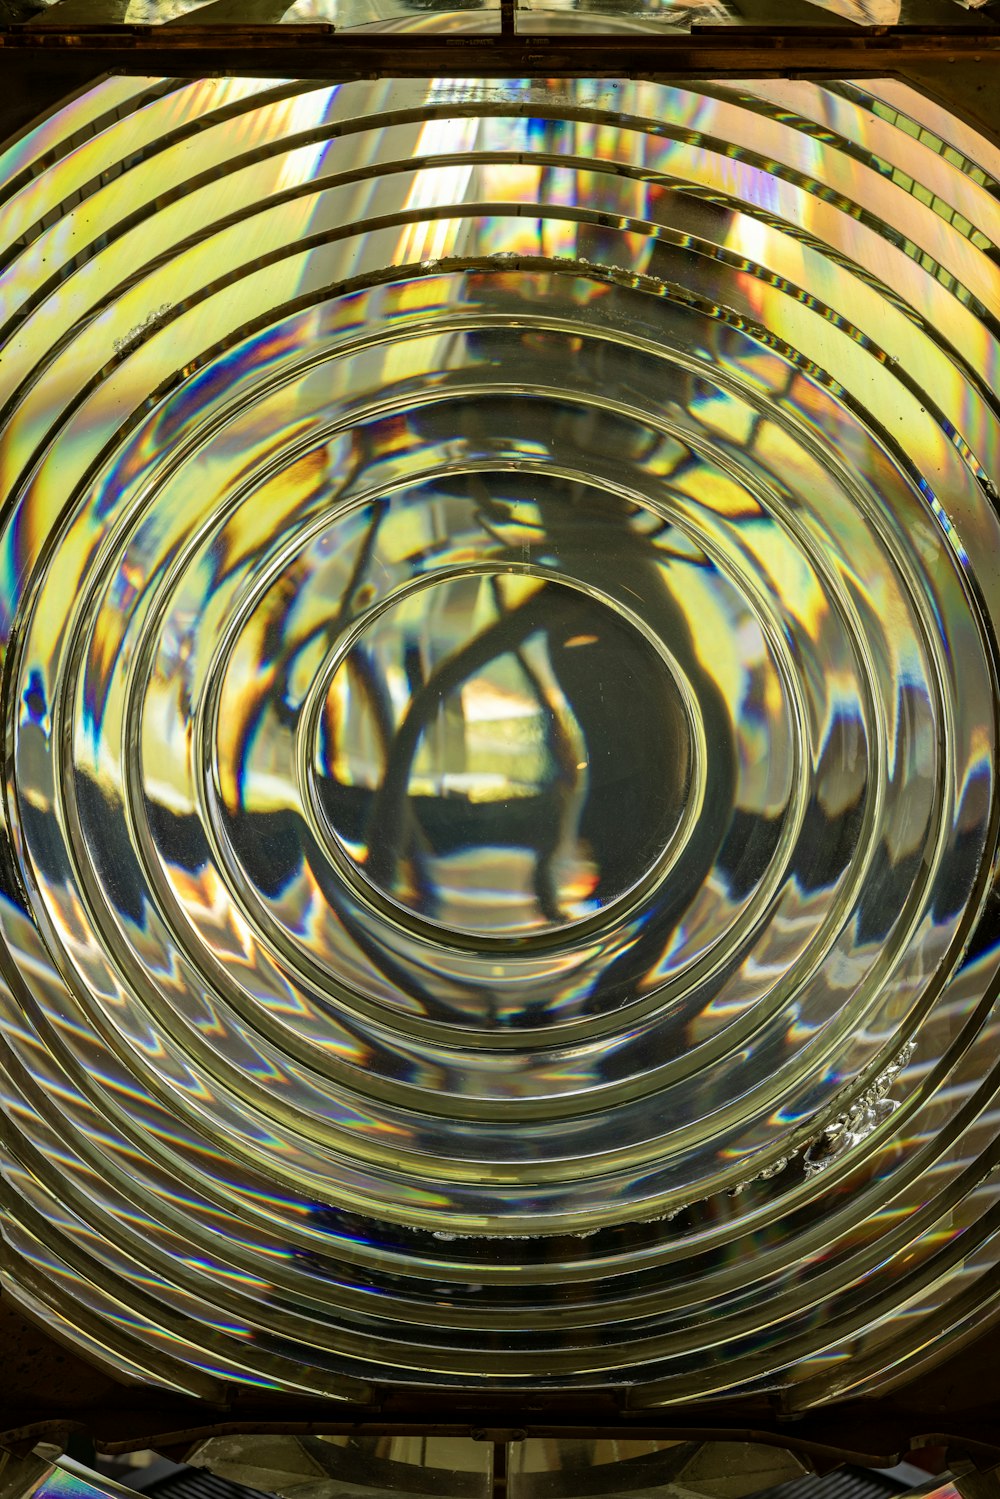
[[498, 601]]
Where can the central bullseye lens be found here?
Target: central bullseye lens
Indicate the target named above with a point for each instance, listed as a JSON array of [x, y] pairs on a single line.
[[484, 742]]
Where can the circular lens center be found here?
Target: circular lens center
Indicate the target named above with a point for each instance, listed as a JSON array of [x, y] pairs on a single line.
[[503, 755]]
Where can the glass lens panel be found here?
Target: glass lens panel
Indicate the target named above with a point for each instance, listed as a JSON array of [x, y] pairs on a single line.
[[341, 1467], [357, 15], [616, 1468], [498, 601], [484, 15]]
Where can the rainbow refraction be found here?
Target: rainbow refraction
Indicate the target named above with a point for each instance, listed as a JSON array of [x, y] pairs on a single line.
[[498, 598]]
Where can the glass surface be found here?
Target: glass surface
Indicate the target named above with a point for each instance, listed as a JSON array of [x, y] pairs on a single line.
[[531, 16], [555, 16], [440, 1467], [384, 1467], [533, 1468], [342, 1467], [559, 1468], [498, 597], [66, 1479], [419, 16], [469, 760]]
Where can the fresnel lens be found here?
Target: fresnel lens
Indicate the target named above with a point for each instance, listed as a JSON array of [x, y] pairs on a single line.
[[498, 584]]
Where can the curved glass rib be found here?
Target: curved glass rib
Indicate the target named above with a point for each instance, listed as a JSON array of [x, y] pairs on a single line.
[[498, 602]]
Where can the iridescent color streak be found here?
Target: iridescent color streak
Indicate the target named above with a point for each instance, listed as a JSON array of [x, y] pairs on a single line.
[[69, 1482], [498, 582]]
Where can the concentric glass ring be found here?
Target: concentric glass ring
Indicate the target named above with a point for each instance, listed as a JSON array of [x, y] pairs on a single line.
[[498, 596]]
